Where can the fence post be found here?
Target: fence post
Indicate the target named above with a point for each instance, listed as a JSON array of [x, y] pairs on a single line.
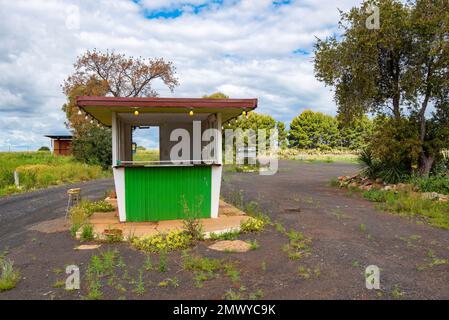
[[16, 179]]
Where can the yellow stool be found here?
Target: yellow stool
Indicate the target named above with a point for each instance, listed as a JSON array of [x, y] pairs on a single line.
[[74, 199]]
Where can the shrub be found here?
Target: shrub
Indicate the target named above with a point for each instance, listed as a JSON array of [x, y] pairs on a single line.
[[252, 225], [394, 150], [9, 277], [163, 242], [374, 168], [438, 184]]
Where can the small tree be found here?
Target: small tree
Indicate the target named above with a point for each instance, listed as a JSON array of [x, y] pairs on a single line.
[[108, 73], [44, 149], [355, 134], [282, 134], [216, 95], [399, 70], [94, 146], [312, 130]]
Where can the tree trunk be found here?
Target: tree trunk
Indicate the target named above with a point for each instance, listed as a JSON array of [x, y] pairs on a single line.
[[396, 108], [426, 165]]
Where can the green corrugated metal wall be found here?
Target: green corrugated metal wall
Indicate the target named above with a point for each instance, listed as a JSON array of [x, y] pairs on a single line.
[[159, 193]]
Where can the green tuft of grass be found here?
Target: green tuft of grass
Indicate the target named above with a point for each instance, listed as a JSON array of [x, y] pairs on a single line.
[[9, 277], [254, 245], [410, 204], [87, 233], [229, 235]]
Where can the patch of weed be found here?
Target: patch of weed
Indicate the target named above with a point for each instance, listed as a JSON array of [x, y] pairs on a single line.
[[9, 277], [87, 233]]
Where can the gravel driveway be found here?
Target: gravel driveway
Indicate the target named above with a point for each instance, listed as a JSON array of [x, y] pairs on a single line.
[[19, 212], [347, 235]]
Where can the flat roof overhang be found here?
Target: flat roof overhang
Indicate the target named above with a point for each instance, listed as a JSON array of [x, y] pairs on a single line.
[[60, 137], [101, 108]]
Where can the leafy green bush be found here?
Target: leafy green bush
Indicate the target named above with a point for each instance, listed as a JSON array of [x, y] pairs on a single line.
[[374, 168]]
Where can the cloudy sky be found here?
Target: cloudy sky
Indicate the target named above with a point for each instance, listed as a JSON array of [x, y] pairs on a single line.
[[246, 48]]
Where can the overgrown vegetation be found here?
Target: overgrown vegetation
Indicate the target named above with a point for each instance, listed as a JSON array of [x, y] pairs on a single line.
[[252, 225], [80, 214], [43, 169], [9, 277], [205, 268], [320, 156], [398, 72], [163, 242], [411, 204], [100, 266], [298, 246]]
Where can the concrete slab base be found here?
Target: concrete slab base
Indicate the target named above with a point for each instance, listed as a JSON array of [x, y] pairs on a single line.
[[229, 219]]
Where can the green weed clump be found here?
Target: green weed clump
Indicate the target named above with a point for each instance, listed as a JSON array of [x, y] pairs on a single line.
[[9, 277], [100, 266], [87, 233], [252, 225], [298, 246], [439, 184], [163, 242], [96, 206], [229, 235], [80, 214], [412, 204], [205, 268]]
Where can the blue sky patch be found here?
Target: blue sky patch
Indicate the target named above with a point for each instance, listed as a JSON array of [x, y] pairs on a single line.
[[301, 52], [176, 10], [280, 3]]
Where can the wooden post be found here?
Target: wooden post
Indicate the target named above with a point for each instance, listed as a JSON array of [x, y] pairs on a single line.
[[16, 179]]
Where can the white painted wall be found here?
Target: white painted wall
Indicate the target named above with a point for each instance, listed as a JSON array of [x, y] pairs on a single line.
[[119, 181], [215, 190]]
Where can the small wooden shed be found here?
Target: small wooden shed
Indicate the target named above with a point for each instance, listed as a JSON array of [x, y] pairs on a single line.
[[61, 144], [167, 189]]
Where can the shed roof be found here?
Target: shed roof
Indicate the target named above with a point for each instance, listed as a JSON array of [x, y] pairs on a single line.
[[101, 108], [59, 137]]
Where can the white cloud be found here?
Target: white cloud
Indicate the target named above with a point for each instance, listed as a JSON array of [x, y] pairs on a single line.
[[244, 48]]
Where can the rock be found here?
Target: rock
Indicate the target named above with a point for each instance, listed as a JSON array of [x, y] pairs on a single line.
[[404, 187], [353, 185], [430, 196], [388, 188], [231, 246], [377, 186], [88, 247], [379, 181], [367, 187], [443, 198]]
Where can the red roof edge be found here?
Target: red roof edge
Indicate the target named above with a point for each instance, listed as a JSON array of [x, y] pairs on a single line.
[[84, 101]]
